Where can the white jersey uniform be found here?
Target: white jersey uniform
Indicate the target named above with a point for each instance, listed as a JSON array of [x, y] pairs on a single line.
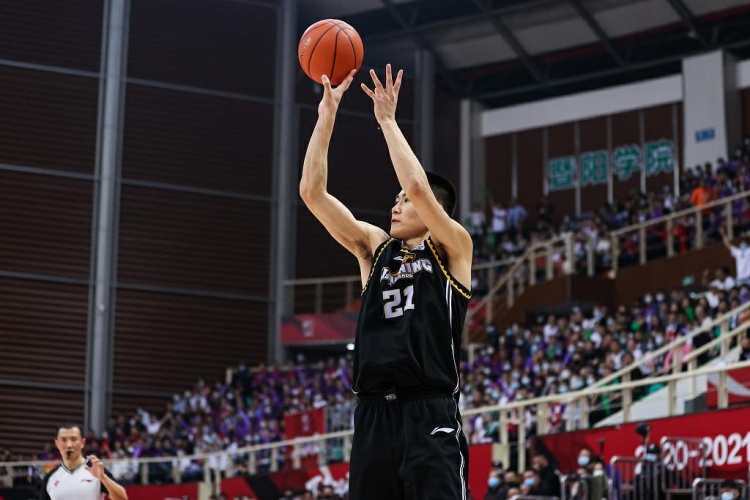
[[78, 484]]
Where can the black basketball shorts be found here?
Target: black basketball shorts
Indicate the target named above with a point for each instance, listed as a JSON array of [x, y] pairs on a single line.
[[408, 447]]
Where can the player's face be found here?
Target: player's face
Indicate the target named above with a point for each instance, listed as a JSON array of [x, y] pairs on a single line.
[[69, 443], [405, 222]]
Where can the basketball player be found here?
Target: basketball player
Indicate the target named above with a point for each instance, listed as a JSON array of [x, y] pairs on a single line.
[[78, 478], [408, 441]]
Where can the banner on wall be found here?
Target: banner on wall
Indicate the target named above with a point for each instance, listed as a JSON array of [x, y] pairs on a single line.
[[725, 435], [305, 423], [329, 328], [594, 167]]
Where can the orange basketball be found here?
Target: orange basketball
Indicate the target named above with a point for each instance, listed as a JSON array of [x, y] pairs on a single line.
[[330, 47]]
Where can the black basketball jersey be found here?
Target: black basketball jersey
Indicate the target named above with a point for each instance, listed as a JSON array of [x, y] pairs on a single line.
[[410, 322]]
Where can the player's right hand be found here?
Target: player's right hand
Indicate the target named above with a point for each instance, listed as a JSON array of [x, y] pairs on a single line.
[[332, 96]]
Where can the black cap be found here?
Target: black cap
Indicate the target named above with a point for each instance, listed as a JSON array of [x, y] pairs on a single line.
[[643, 429], [438, 180]]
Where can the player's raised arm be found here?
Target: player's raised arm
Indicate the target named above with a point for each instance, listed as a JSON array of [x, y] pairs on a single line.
[[358, 237], [451, 235]]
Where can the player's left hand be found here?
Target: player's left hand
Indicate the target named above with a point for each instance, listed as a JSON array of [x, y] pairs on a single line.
[[97, 467], [385, 98]]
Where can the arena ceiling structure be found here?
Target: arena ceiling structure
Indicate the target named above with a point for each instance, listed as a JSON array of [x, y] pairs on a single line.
[[503, 52]]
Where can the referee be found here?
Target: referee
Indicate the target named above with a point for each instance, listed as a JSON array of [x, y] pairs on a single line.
[[78, 478]]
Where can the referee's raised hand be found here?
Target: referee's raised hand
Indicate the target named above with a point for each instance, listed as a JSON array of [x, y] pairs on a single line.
[[97, 467]]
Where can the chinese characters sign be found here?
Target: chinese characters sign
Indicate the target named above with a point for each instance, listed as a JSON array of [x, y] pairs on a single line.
[[594, 167]]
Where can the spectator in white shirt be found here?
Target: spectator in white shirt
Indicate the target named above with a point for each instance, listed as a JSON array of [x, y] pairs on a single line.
[[499, 219], [721, 281], [477, 221], [741, 257], [550, 329]]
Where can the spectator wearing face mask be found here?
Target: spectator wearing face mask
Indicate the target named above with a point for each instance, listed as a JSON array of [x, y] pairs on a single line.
[[730, 490], [530, 484], [495, 488], [591, 472]]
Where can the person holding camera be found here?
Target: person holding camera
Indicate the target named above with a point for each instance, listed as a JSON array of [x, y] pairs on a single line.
[[647, 483]]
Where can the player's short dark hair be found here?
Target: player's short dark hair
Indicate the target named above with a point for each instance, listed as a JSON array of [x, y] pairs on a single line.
[[69, 425], [444, 191]]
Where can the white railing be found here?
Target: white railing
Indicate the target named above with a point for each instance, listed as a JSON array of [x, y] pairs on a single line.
[[675, 347], [521, 275], [578, 407], [693, 218], [318, 295], [576, 415], [687, 363]]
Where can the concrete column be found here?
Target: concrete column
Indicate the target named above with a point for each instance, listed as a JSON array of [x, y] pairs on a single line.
[[711, 108], [472, 165]]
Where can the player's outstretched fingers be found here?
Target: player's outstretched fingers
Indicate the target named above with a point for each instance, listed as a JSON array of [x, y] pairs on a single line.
[[348, 80], [375, 81], [397, 85], [368, 91]]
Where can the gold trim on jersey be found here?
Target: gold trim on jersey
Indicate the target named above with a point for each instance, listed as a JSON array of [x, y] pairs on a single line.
[[454, 284], [375, 262]]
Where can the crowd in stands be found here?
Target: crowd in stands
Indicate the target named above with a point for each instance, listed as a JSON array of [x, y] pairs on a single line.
[[572, 351], [502, 233]]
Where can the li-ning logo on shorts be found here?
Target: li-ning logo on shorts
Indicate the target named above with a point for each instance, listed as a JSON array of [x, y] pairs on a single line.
[[447, 430], [410, 266]]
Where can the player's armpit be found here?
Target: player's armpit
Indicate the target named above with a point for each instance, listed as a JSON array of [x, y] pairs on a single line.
[[359, 237]]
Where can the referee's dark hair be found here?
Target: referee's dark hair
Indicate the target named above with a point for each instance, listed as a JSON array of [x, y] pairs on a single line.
[[69, 425]]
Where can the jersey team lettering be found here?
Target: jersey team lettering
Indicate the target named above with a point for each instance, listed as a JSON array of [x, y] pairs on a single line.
[[410, 266]]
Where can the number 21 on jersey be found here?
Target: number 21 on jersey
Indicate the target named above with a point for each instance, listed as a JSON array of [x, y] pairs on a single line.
[[392, 301]]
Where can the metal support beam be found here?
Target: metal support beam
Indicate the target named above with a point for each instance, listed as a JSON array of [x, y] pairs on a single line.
[[442, 69], [494, 94], [509, 6], [284, 172], [531, 66], [687, 17], [101, 301], [588, 18]]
